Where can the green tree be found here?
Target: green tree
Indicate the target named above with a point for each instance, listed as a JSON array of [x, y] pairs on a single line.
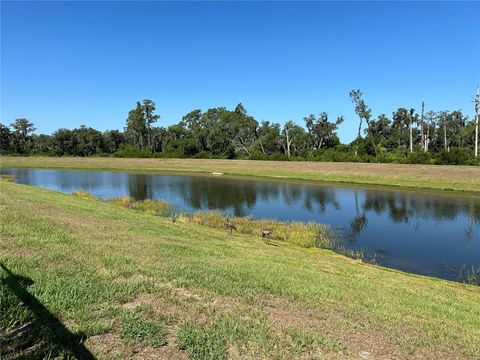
[[139, 125], [7, 140], [269, 138], [22, 129], [294, 139], [243, 130], [320, 130], [150, 118], [136, 128]]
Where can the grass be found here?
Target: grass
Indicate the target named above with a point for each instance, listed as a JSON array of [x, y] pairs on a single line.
[[200, 343], [439, 177], [122, 283]]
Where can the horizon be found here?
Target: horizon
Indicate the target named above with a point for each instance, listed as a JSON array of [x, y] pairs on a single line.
[[282, 61]]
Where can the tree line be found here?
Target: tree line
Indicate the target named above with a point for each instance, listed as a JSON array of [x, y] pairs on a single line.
[[408, 136]]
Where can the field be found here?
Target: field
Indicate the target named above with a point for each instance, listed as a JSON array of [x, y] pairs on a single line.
[[464, 178], [94, 280]]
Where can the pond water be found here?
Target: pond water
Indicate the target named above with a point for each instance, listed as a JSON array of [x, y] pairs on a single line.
[[431, 233]]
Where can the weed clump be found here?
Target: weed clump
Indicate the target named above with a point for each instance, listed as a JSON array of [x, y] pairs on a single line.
[[85, 195], [297, 233], [5, 177], [155, 207]]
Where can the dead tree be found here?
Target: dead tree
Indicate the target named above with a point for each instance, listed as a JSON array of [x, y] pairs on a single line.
[[410, 125], [476, 121], [424, 147], [445, 132]]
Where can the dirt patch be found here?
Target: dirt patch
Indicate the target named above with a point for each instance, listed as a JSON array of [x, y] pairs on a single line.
[[22, 251], [109, 345]]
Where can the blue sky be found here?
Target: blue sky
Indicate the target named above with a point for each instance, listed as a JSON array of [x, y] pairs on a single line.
[[64, 64]]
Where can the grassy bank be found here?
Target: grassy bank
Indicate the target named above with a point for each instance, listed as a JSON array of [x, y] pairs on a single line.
[[464, 178], [124, 283]]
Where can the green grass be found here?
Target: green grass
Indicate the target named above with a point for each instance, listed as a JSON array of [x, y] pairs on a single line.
[[438, 177], [131, 283], [136, 327], [201, 344]]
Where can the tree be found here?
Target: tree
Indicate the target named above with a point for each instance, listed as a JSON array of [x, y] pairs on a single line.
[[135, 127], [477, 100], [294, 137], [139, 124], [22, 128], [422, 137], [7, 140], [243, 129], [42, 144], [88, 141], [431, 117], [269, 138], [320, 130], [363, 112], [150, 118], [64, 142], [382, 128], [410, 127], [444, 121], [112, 140]]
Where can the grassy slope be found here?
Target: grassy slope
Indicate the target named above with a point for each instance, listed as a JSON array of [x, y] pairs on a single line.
[[104, 271], [464, 178]]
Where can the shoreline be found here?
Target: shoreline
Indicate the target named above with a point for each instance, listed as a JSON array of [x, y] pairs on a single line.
[[429, 177]]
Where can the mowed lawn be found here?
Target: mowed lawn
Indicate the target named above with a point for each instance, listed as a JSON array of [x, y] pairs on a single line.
[[465, 178], [134, 285]]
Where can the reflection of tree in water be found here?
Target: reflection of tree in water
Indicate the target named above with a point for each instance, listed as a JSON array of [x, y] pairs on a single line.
[[357, 225], [322, 197], [140, 186], [291, 194], [236, 195], [208, 193], [410, 208]]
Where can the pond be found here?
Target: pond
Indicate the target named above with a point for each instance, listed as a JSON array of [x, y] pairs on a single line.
[[423, 232]]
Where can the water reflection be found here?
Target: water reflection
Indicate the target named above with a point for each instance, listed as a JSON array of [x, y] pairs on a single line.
[[412, 231]]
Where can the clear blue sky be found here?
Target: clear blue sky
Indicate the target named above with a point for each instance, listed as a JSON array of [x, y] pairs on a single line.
[[64, 64]]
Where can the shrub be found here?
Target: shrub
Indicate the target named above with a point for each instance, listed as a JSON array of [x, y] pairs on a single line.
[[420, 157], [131, 151], [456, 156]]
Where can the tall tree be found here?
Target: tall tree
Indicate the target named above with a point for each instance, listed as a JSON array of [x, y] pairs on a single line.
[[244, 130], [422, 139], [320, 130], [477, 100], [294, 138], [363, 112], [7, 140], [431, 118], [150, 118], [135, 127], [410, 127], [22, 129]]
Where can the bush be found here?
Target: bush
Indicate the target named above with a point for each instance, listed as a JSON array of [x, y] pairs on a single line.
[[420, 157], [456, 156]]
